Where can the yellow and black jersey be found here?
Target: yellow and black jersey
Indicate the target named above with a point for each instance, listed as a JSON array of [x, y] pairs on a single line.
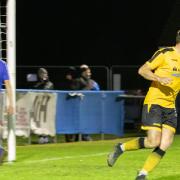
[[165, 63]]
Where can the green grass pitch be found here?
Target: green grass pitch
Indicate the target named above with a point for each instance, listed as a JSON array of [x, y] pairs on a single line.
[[86, 161]]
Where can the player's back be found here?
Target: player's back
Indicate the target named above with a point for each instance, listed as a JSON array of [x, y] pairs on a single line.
[[167, 63]]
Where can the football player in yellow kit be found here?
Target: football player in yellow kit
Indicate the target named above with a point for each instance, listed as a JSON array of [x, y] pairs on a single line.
[[159, 115]]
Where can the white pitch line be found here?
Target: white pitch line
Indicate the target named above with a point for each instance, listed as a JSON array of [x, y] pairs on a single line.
[[61, 158]]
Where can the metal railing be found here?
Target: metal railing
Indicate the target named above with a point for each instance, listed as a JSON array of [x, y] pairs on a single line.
[[130, 80], [57, 75]]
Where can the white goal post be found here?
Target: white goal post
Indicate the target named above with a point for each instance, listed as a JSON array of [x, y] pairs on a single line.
[[11, 59]]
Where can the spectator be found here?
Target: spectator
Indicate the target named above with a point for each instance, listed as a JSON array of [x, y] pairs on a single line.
[[46, 84], [84, 82], [80, 79], [70, 77], [84, 66], [43, 80]]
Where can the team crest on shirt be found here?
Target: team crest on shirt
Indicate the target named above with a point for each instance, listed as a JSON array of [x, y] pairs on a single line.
[[176, 72], [174, 59]]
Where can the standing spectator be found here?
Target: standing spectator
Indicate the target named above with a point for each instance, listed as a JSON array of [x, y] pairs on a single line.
[[46, 84], [84, 66], [84, 82], [80, 79], [70, 77], [86, 74], [43, 80], [4, 78], [69, 84]]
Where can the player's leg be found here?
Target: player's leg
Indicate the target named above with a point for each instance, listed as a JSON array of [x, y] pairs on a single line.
[[167, 137], [169, 119], [155, 157], [152, 140], [151, 117], [3, 152]]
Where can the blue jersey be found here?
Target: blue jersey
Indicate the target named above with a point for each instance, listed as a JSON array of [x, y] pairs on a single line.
[[95, 86], [4, 75]]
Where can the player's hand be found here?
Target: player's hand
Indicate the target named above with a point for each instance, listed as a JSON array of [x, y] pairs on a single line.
[[164, 80]]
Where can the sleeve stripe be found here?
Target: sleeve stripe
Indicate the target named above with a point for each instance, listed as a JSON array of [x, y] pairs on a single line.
[[154, 56], [159, 52]]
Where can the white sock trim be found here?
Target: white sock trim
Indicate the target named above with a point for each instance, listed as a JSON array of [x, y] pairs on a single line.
[[122, 147], [143, 172]]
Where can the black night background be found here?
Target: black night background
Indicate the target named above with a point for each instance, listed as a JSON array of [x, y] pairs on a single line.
[[66, 33], [92, 32]]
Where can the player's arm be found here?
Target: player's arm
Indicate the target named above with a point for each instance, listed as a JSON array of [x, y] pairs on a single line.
[[146, 72], [8, 87]]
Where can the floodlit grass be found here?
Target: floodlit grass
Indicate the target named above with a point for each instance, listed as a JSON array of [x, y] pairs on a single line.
[[86, 161]]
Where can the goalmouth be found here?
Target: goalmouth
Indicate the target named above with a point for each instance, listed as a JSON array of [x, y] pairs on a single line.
[[8, 53]]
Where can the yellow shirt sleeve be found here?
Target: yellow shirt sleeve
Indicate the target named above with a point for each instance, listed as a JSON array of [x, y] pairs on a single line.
[[156, 60]]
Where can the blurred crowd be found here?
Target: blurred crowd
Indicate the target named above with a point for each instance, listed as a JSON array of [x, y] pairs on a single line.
[[76, 78]]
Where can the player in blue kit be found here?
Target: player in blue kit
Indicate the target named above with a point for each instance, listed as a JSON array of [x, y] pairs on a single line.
[[5, 80]]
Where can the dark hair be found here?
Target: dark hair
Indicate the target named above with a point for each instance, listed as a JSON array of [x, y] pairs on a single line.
[[72, 71], [178, 37]]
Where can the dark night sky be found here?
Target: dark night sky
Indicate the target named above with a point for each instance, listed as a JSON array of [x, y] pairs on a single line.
[[93, 32]]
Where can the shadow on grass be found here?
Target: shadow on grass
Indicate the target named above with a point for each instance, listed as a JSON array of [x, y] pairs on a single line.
[[173, 177]]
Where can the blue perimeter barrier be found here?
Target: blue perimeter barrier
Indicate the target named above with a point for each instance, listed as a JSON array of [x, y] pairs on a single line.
[[96, 112]]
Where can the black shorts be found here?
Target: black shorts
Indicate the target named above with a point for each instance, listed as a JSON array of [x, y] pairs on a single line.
[[156, 117]]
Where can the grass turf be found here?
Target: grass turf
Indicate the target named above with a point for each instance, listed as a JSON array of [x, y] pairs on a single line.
[[86, 161]]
